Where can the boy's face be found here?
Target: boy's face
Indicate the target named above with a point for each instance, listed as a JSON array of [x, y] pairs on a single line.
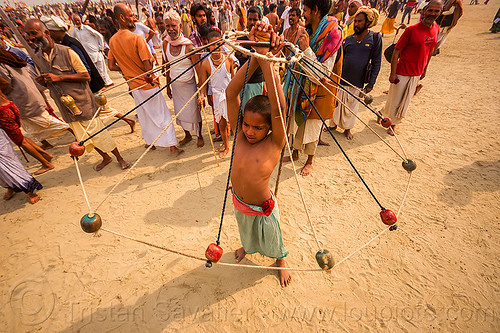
[[255, 127], [212, 47]]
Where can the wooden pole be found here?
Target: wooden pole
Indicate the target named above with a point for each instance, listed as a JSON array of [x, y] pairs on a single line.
[[21, 39]]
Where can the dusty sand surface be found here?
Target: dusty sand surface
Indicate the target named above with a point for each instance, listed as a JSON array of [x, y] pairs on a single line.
[[437, 272]]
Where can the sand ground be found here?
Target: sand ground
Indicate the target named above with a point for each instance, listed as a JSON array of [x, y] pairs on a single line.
[[437, 272]]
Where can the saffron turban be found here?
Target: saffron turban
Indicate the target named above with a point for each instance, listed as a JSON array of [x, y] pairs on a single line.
[[372, 15]]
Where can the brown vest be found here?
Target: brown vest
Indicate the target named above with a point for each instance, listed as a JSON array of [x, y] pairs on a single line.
[[60, 64]]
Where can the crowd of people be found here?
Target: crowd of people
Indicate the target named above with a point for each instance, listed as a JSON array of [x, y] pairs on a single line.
[[72, 50]]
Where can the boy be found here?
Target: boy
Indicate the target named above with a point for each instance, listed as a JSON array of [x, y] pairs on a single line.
[[218, 83], [256, 154]]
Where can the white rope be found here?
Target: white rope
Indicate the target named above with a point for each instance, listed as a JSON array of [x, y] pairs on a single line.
[[83, 186], [192, 52], [348, 108], [90, 123], [293, 163], [161, 133], [269, 56], [379, 234], [209, 134]]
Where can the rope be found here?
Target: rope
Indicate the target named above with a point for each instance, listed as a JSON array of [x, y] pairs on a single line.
[[209, 135], [294, 169], [156, 69], [152, 245], [158, 137], [298, 54], [232, 151], [127, 92], [380, 233], [150, 97], [336, 141], [361, 120], [81, 183], [359, 100], [311, 64]]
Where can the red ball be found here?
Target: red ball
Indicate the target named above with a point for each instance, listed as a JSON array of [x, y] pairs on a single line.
[[386, 122], [213, 252], [75, 149], [388, 217], [148, 78]]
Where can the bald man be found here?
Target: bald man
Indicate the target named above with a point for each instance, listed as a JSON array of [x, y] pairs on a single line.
[[130, 54], [66, 75]]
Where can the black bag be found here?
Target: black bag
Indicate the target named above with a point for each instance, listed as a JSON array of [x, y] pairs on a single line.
[[444, 21], [390, 49], [368, 71]]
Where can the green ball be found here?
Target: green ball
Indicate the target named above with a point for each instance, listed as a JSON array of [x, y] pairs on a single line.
[[325, 259], [92, 223]]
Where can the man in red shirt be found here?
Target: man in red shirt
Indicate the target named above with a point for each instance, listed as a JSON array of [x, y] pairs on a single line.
[[409, 62]]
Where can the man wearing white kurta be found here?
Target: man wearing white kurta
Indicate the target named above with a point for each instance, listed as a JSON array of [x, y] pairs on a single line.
[[93, 42]]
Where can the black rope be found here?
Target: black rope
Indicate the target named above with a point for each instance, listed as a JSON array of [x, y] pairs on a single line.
[[232, 152], [150, 97], [311, 65], [336, 141]]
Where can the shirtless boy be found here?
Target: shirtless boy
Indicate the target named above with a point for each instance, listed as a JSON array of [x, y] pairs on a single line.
[[256, 154]]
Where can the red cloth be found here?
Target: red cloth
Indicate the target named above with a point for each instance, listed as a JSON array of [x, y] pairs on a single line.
[[416, 45], [267, 207], [10, 121]]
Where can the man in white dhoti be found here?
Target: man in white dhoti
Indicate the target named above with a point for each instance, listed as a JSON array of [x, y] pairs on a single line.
[[184, 87], [93, 42], [409, 62], [130, 54]]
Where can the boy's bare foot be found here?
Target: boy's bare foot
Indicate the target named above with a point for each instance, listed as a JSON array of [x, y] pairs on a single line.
[[9, 194], [186, 139], [348, 134], [44, 169], [221, 148], [147, 146], [285, 277], [124, 164], [131, 123], [218, 138], [33, 198], [200, 142], [105, 161], [331, 128], [175, 150], [46, 145], [306, 170], [239, 254]]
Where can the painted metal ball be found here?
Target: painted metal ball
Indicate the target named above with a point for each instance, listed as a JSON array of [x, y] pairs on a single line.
[[100, 99], [388, 217], [386, 122], [76, 150], [91, 222], [368, 99], [409, 165], [324, 259]]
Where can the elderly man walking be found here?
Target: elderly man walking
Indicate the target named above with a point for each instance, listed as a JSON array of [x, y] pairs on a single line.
[[184, 87], [410, 61]]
